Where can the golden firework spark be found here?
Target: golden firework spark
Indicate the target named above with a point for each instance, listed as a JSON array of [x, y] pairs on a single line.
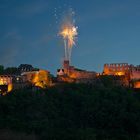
[[69, 33]]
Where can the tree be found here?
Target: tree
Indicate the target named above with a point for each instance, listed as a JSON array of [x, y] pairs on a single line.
[[11, 70], [1, 69]]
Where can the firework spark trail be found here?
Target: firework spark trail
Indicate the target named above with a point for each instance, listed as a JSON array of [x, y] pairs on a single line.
[[65, 45], [69, 33], [70, 51]]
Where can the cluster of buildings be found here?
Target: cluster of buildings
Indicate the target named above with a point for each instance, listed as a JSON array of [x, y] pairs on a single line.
[[27, 76]]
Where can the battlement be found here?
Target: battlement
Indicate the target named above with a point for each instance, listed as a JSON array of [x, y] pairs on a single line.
[[135, 68], [116, 69], [117, 66]]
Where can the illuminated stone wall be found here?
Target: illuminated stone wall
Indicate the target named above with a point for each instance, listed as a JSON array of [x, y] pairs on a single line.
[[6, 80], [82, 74], [135, 72], [74, 73], [136, 84], [116, 69], [39, 78], [131, 72]]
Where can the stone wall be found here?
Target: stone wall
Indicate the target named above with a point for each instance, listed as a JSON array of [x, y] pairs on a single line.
[[116, 69], [134, 72], [82, 74]]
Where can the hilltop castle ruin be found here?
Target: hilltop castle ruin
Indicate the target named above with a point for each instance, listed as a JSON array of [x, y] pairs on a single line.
[[130, 72]]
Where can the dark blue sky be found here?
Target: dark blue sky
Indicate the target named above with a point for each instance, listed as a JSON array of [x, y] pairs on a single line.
[[108, 32]]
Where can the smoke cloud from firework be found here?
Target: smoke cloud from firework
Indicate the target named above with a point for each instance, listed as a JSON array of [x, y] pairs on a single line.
[[69, 33]]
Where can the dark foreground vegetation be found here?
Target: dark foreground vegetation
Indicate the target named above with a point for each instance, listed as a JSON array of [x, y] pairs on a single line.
[[71, 111]]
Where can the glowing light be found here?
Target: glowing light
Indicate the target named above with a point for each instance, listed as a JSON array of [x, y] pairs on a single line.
[[120, 73], [17, 78], [10, 87], [137, 84]]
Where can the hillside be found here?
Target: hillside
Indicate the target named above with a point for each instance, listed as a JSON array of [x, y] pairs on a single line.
[[71, 111]]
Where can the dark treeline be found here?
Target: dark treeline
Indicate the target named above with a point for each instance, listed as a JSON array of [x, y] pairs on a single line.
[[8, 70], [73, 111], [15, 70]]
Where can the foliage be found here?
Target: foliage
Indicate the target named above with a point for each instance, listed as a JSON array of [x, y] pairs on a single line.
[[11, 70], [1, 69], [8, 70], [73, 111]]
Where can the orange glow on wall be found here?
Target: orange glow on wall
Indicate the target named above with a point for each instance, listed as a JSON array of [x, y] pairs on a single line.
[[6, 80], [73, 75], [10, 87], [137, 84], [120, 73], [118, 69], [41, 79]]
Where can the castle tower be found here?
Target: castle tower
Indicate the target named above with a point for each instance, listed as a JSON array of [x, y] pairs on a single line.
[[66, 64]]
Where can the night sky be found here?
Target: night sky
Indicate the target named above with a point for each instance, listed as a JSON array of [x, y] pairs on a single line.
[[108, 32]]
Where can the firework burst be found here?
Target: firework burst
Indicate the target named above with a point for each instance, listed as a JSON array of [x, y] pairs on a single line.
[[69, 33]]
